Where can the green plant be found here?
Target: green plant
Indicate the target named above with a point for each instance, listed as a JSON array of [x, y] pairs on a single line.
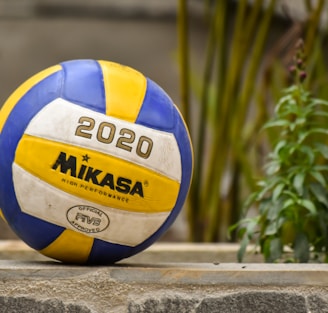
[[227, 98], [293, 196], [226, 86]]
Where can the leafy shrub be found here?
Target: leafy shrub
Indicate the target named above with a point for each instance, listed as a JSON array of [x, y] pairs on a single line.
[[292, 198]]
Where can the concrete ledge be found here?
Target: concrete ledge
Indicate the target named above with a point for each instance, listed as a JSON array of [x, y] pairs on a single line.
[[157, 253], [167, 287], [159, 286]]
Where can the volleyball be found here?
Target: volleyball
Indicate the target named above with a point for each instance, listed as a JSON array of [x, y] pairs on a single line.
[[95, 162]]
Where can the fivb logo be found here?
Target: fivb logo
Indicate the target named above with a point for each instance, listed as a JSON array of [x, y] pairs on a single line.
[[87, 219], [84, 218], [68, 165]]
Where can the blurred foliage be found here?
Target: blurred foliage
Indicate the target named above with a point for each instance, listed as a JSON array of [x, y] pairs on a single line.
[[228, 102], [293, 195]]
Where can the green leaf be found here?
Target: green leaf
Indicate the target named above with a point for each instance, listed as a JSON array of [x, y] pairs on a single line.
[[298, 182], [276, 123], [301, 248], [271, 229], [323, 221], [319, 178], [320, 193], [279, 145], [271, 249], [261, 183], [283, 101], [264, 206], [300, 121], [320, 102], [291, 194], [288, 203], [309, 205], [320, 113], [251, 227], [272, 168], [309, 152], [246, 226], [302, 136], [317, 130], [265, 248], [242, 248], [281, 221], [267, 187], [290, 90], [292, 127], [320, 168], [251, 199], [275, 249], [273, 211], [277, 191]]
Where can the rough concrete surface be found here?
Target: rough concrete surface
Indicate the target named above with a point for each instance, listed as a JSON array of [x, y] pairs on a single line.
[[52, 287], [139, 285], [25, 304]]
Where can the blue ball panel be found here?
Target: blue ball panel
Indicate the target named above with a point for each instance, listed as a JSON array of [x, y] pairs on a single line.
[[184, 144], [38, 233], [84, 84], [157, 110], [108, 253]]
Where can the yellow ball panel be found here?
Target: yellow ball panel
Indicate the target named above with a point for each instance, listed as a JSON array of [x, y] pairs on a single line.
[[125, 89], [70, 247], [94, 176]]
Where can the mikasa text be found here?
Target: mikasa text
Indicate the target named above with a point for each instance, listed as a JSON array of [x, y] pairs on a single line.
[[68, 165], [105, 132]]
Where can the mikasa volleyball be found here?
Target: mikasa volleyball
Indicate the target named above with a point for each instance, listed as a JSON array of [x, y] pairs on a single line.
[[95, 162]]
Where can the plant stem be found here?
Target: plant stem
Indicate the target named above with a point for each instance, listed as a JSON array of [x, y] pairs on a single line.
[[196, 208], [220, 143], [183, 40]]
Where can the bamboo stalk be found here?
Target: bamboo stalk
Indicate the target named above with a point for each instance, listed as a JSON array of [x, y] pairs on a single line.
[[312, 32], [238, 130], [220, 144], [247, 89], [235, 61], [313, 25], [250, 80], [221, 27], [183, 42], [203, 122]]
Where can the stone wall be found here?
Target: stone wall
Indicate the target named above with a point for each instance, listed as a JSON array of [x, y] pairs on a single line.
[[157, 281]]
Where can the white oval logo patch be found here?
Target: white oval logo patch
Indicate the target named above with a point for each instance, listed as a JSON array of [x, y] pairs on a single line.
[[87, 219]]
